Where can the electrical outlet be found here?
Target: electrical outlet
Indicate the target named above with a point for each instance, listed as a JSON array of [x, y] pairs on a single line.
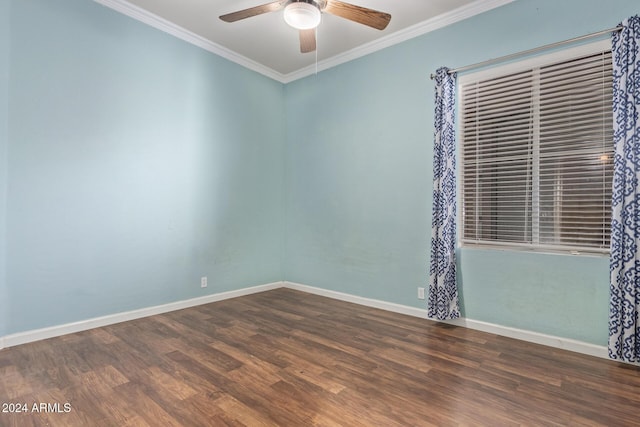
[[420, 293], [203, 282]]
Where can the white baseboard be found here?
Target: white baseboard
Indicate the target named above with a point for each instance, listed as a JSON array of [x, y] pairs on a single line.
[[520, 334], [524, 335], [383, 305], [96, 322], [534, 337]]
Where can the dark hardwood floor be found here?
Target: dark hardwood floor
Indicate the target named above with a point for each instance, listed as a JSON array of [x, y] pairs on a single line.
[[293, 359]]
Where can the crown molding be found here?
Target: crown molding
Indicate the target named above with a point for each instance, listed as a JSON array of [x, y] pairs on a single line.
[[168, 27], [440, 21]]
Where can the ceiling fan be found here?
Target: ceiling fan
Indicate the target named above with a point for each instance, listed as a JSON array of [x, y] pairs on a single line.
[[304, 15]]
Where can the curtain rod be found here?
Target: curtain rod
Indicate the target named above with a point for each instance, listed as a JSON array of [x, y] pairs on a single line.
[[530, 51]]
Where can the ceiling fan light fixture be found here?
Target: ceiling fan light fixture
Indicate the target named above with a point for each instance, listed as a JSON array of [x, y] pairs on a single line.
[[302, 16]]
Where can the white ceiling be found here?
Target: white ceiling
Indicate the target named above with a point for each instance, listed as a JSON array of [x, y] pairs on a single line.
[[266, 44]]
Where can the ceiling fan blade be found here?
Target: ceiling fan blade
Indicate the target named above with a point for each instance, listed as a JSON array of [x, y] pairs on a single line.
[[307, 40], [253, 11], [362, 15]]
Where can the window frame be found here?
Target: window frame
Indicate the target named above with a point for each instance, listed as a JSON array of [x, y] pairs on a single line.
[[556, 56]]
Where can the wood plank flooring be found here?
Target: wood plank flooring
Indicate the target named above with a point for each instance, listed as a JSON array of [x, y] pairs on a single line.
[[293, 359]]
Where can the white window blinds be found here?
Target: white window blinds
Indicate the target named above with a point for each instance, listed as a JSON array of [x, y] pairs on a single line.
[[537, 156]]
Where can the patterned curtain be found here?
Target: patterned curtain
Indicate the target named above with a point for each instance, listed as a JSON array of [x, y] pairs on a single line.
[[442, 302], [624, 327]]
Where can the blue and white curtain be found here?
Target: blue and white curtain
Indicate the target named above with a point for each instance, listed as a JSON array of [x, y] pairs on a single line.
[[442, 301], [624, 327]]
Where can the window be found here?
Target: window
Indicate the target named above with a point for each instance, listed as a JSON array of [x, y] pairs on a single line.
[[537, 152]]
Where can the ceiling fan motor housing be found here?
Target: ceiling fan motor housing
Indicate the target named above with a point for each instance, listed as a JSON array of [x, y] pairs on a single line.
[[320, 4]]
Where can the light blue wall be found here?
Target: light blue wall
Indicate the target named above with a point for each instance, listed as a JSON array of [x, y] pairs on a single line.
[[4, 103], [137, 164], [359, 172]]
